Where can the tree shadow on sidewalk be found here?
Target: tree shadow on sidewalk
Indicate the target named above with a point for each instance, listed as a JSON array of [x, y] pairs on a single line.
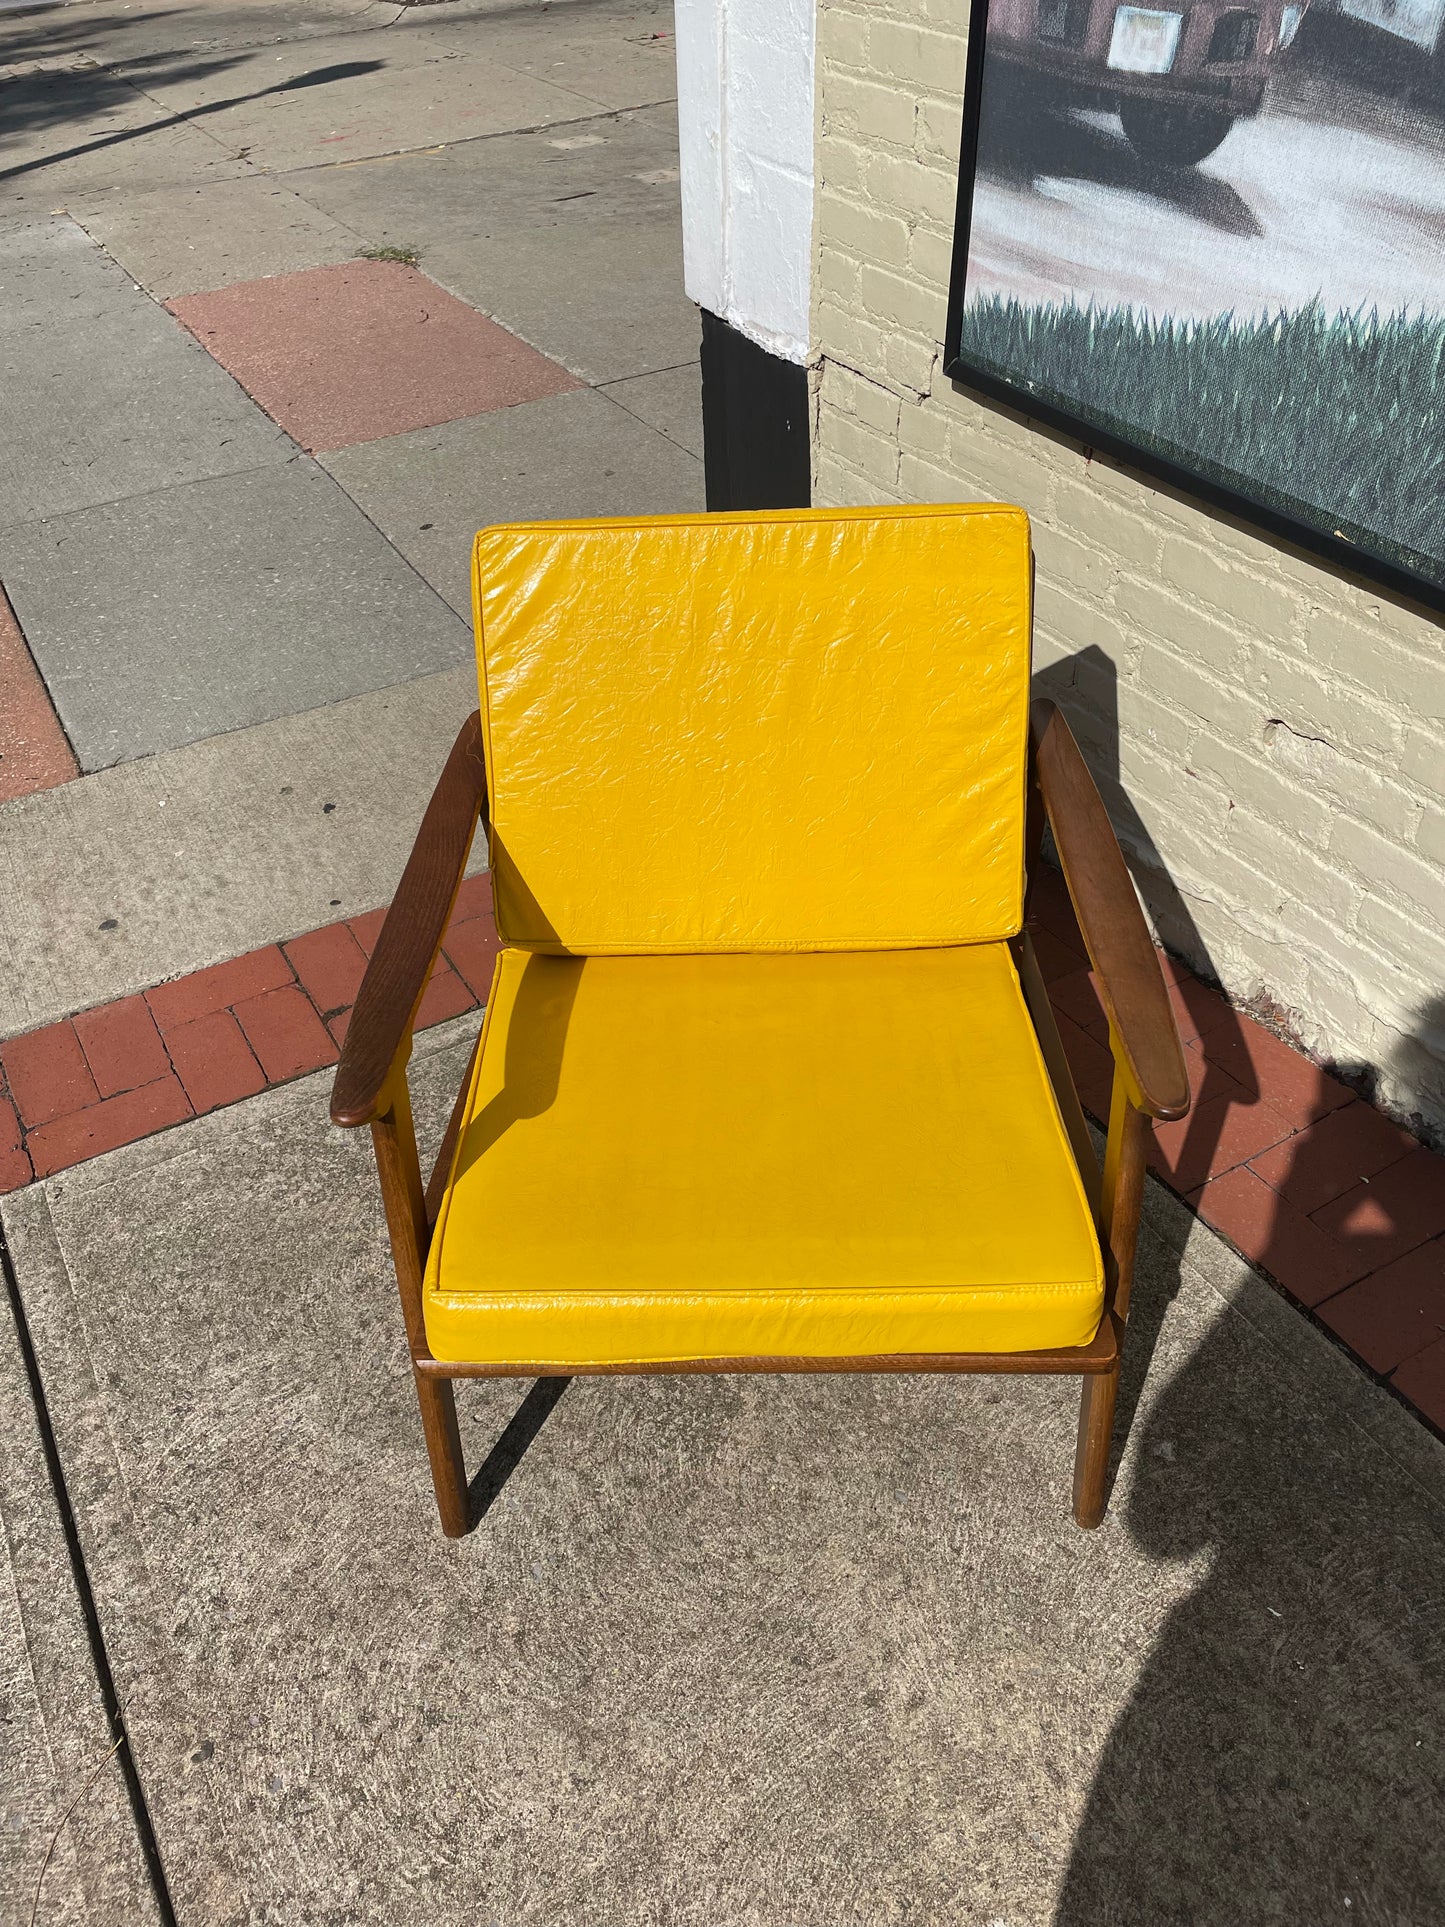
[[44, 101], [1281, 1761], [1379, 1284], [81, 73], [1281, 1758]]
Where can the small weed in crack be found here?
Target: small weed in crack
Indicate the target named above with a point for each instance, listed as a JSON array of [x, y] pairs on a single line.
[[409, 257]]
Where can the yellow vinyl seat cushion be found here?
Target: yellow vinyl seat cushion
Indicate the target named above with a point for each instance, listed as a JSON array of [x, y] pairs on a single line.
[[733, 1155]]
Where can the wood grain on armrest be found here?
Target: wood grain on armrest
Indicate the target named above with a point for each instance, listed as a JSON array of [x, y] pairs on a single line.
[[380, 1027], [1126, 964]]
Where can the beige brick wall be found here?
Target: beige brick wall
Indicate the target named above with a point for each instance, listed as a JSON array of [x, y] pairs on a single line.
[[1270, 738]]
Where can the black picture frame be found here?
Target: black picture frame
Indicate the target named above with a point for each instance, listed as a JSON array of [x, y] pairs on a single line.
[[1261, 516]]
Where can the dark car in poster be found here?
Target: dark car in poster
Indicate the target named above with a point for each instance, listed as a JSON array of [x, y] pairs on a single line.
[[1178, 80]]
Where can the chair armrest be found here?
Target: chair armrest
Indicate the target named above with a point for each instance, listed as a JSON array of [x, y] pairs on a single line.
[[379, 1033], [1143, 1033]]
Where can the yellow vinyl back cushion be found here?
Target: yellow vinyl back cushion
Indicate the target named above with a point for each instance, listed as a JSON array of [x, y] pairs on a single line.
[[793, 731]]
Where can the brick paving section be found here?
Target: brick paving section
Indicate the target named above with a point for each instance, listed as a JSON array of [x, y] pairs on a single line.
[[125, 1070], [1340, 1207], [34, 751], [366, 349]]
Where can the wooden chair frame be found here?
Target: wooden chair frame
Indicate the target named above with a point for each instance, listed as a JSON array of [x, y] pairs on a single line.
[[1150, 1081]]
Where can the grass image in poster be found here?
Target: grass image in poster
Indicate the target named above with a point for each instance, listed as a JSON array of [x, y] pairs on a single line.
[[1270, 315], [1305, 408]]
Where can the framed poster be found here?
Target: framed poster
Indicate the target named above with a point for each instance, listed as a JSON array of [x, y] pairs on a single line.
[[1209, 239]]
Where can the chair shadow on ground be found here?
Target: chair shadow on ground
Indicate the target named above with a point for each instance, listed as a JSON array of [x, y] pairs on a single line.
[[510, 1449], [1280, 1758]]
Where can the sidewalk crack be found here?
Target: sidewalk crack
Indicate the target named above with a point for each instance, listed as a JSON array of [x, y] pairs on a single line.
[[95, 1636]]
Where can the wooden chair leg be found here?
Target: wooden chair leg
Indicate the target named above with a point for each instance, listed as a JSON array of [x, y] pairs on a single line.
[[1123, 1194], [1091, 1457], [444, 1449]]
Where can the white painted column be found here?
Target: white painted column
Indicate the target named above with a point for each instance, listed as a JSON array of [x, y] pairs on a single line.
[[745, 114]]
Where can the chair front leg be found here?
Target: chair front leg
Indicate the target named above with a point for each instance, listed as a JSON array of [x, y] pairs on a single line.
[[1125, 1156], [397, 1165], [1091, 1454], [444, 1451]]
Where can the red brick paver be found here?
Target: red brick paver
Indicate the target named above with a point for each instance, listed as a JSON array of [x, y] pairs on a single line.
[[445, 996], [1259, 1061], [366, 929], [105, 1126], [1397, 1312], [1421, 1380], [1077, 996], [1270, 1232], [1051, 908], [288, 1037], [472, 948], [47, 1074], [1055, 958], [1332, 1156], [127, 1069], [122, 1046], [219, 987], [1091, 1064], [35, 753], [474, 898], [365, 349], [214, 1062], [15, 1168], [329, 964], [1218, 1134], [1209, 1080], [1197, 1008], [1392, 1213]]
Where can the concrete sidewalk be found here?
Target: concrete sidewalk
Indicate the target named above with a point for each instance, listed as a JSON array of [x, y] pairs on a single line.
[[197, 589], [751, 1650]]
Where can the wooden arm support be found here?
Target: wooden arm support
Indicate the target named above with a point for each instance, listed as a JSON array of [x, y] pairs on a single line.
[[378, 1038], [1142, 1032], [1150, 1078]]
